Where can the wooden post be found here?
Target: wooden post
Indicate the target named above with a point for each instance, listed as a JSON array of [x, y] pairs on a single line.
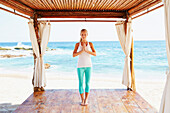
[[36, 28], [125, 34], [34, 68], [38, 39], [133, 86], [125, 27]]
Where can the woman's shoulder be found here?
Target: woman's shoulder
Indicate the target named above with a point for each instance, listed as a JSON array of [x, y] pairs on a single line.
[[90, 43], [77, 44]]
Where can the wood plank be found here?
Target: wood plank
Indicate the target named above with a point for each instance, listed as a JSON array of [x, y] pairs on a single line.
[[149, 11], [103, 101], [131, 10], [80, 8], [117, 104], [145, 7], [26, 11], [13, 13], [128, 101], [76, 102], [144, 105], [100, 101], [18, 3], [94, 108]]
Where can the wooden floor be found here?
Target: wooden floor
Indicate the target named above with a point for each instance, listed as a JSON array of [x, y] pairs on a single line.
[[100, 101]]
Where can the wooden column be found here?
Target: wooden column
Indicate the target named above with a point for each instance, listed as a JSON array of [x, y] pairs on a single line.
[[125, 27], [36, 28], [133, 86], [34, 68], [38, 39]]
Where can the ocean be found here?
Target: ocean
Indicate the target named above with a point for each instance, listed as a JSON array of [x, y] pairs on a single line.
[[150, 59]]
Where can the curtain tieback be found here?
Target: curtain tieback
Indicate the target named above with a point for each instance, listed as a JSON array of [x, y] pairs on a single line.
[[40, 56], [127, 58]]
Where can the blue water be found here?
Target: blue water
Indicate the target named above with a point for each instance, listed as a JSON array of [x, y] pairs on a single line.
[[150, 60]]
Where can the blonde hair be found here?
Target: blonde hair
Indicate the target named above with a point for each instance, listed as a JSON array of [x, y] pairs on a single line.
[[82, 31]]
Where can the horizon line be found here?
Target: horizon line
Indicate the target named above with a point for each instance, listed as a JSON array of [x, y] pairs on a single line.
[[92, 41]]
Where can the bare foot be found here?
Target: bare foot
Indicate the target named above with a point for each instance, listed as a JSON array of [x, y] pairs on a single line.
[[82, 103], [85, 103]]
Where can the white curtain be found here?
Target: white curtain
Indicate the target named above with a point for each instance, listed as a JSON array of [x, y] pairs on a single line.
[[44, 34], [165, 102], [125, 42]]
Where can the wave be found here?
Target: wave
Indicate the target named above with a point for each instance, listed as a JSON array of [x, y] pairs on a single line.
[[19, 45]]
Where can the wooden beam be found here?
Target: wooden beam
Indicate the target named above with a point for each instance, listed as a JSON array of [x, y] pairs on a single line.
[[16, 7], [83, 16], [14, 13], [80, 20], [148, 11], [80, 14], [144, 8]]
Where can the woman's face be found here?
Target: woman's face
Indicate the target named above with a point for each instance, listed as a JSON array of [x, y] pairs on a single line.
[[83, 35]]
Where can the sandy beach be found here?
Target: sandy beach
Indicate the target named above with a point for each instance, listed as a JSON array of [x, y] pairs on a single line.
[[16, 88]]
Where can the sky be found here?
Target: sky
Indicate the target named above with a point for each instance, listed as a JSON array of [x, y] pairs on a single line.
[[150, 26]]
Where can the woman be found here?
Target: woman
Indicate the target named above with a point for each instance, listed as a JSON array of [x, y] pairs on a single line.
[[84, 64]]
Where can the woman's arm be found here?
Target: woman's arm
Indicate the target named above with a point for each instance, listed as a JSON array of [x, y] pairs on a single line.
[[75, 53], [93, 50]]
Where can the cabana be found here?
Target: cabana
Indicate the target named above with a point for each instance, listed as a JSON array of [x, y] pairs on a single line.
[[120, 11]]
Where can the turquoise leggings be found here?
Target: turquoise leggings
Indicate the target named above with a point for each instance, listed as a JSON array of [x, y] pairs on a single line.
[[81, 71]]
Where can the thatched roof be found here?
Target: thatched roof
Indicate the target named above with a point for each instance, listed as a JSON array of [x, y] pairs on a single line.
[[80, 8]]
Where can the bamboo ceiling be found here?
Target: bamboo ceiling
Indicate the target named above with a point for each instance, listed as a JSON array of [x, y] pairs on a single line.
[[80, 8]]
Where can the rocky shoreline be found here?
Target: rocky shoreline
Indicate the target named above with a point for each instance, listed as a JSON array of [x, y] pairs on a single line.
[[11, 56], [16, 49], [23, 48]]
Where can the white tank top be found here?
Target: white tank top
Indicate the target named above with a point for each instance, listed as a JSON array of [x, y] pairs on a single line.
[[84, 59]]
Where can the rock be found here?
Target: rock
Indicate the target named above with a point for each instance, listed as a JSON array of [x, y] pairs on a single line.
[[11, 56], [27, 48], [47, 49], [53, 49], [4, 48], [47, 66], [18, 48], [22, 48]]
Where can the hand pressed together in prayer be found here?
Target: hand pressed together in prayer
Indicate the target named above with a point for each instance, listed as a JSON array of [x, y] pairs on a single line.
[[84, 47]]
